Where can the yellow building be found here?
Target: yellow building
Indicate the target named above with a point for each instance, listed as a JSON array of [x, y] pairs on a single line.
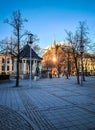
[[89, 63], [6, 65]]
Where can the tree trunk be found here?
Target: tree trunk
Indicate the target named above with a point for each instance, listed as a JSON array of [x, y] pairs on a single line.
[[68, 73], [77, 70], [83, 73], [78, 80], [83, 76]]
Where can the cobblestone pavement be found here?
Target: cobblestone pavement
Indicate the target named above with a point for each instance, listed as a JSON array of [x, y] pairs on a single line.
[[10, 119], [50, 104]]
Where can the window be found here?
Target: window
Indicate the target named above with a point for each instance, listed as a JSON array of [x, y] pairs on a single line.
[[3, 68], [3, 60], [8, 68], [8, 60]]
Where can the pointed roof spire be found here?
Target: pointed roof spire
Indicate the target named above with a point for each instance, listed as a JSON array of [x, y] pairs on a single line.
[[54, 44]]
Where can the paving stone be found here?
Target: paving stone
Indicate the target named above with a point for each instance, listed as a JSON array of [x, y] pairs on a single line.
[[11, 120], [50, 104]]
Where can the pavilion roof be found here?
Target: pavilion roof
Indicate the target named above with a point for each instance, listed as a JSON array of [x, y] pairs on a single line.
[[25, 53]]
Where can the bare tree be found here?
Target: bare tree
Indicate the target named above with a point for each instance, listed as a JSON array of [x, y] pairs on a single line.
[[16, 22], [73, 39], [83, 42], [78, 40], [35, 45], [8, 45]]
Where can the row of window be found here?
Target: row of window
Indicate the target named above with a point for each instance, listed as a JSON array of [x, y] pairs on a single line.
[[8, 60], [8, 68], [3, 68]]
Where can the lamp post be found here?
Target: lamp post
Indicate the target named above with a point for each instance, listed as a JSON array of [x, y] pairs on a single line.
[[30, 41], [81, 51]]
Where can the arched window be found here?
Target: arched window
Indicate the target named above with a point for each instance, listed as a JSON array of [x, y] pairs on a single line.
[[3, 60], [3, 68], [8, 68]]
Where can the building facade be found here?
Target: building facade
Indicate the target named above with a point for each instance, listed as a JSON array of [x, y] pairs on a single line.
[[59, 59], [8, 63]]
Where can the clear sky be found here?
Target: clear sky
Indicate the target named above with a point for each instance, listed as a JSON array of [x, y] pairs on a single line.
[[49, 18]]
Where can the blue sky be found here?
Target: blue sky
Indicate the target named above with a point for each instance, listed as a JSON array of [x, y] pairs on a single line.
[[49, 18]]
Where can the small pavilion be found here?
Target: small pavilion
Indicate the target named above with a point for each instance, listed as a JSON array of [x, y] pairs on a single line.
[[24, 65]]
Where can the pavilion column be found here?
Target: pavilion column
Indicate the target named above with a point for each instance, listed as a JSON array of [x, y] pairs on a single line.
[[10, 65], [34, 66], [24, 67], [15, 64]]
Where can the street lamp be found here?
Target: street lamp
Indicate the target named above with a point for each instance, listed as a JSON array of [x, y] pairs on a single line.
[[30, 41], [81, 51]]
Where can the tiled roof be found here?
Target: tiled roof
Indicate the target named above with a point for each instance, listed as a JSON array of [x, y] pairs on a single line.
[[25, 53]]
